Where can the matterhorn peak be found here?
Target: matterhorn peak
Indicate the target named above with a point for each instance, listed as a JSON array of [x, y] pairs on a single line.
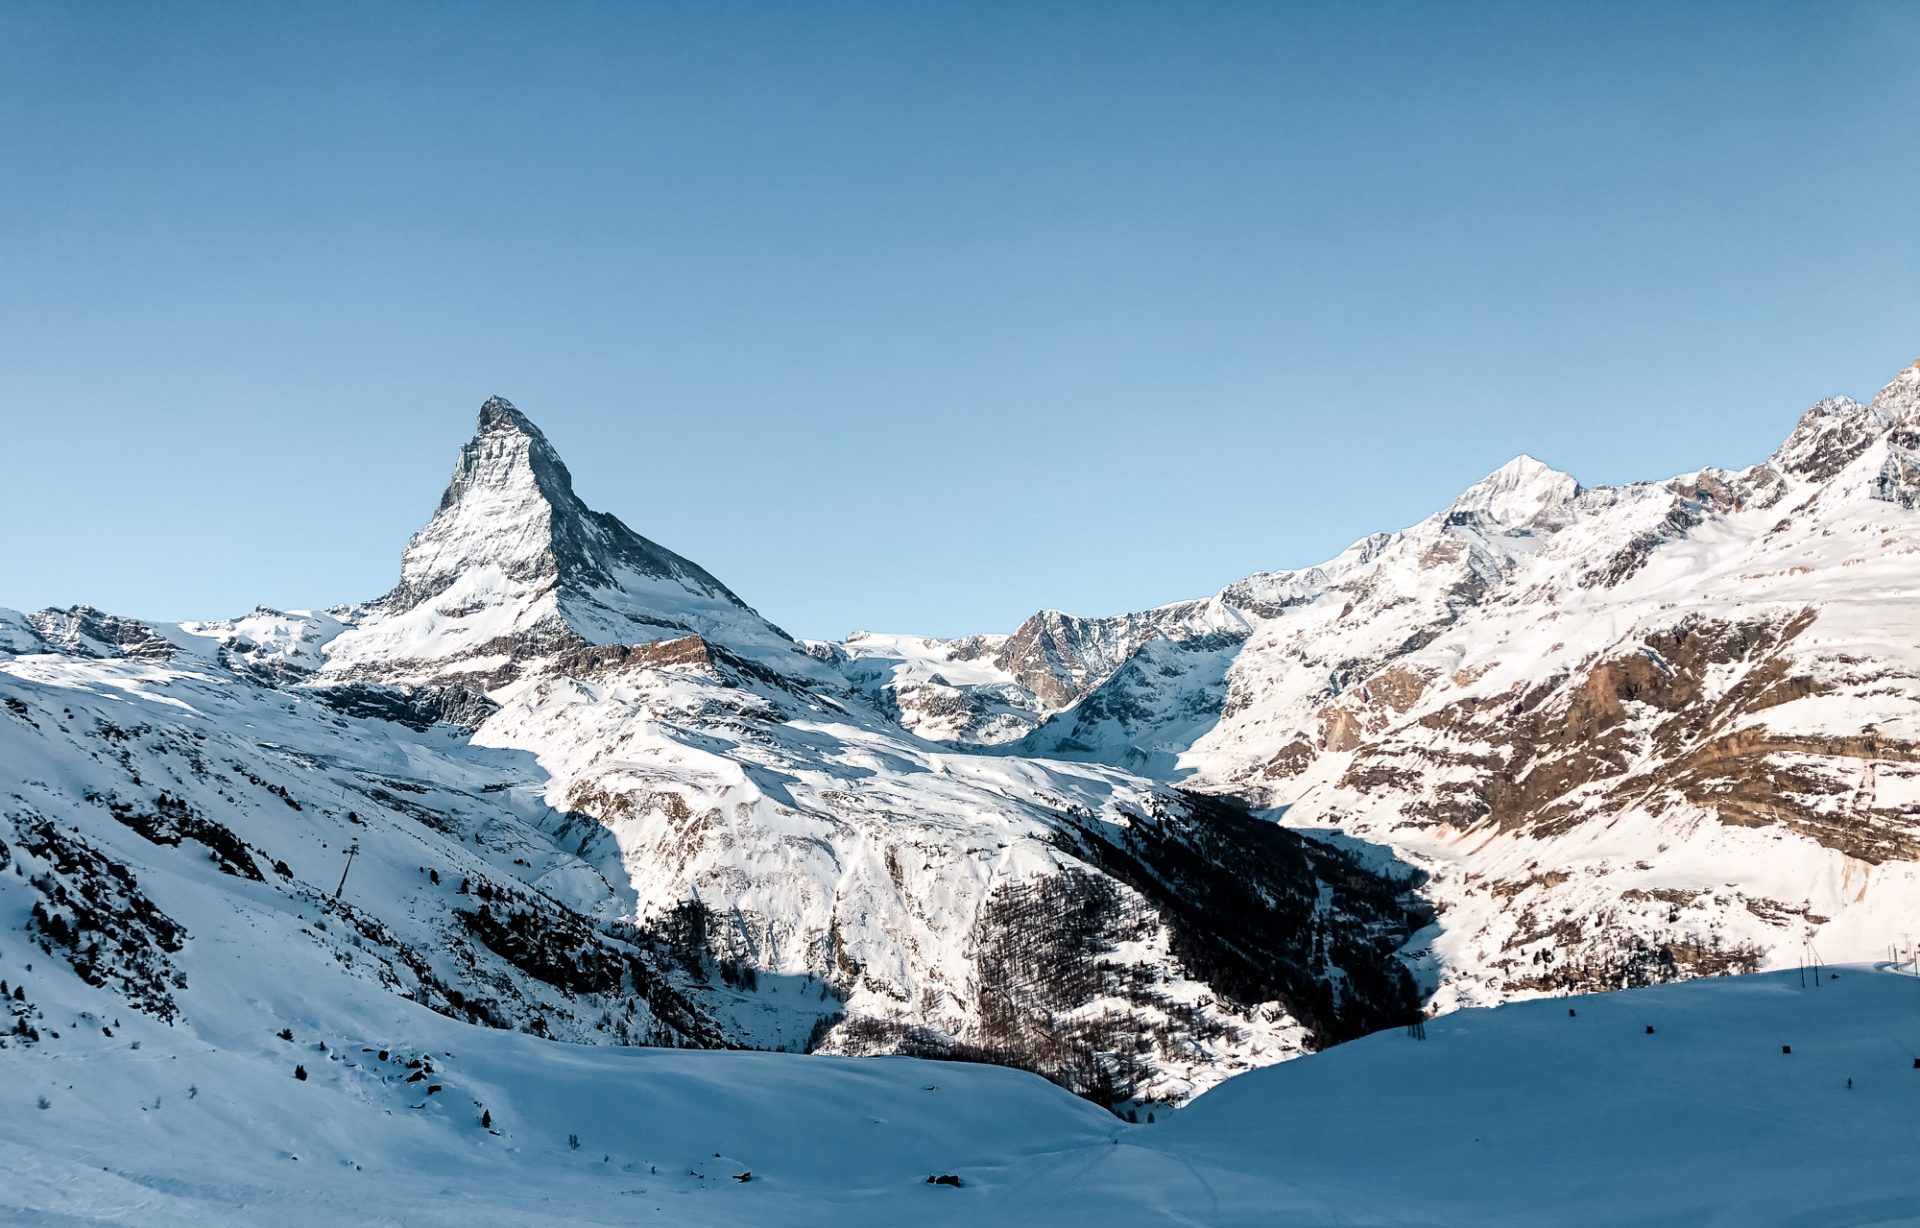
[[513, 559], [1521, 493], [509, 500], [508, 450], [498, 414]]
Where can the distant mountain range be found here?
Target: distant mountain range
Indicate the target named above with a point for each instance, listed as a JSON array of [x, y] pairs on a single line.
[[1551, 738]]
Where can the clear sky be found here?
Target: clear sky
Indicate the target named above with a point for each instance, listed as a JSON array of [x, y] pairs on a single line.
[[915, 317]]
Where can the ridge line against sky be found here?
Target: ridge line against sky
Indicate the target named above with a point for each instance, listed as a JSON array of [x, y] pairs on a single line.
[[916, 318]]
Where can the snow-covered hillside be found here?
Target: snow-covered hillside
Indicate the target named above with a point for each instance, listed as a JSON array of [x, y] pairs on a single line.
[[595, 796], [1665, 1106], [1630, 732], [561, 784], [946, 690]]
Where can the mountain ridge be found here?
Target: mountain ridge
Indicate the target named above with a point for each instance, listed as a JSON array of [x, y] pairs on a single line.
[[1721, 653], [1520, 747], [678, 805]]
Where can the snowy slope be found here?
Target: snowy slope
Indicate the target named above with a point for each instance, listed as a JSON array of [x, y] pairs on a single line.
[[944, 690], [1630, 732], [1381, 596], [1516, 1115], [929, 899], [1681, 729], [597, 797], [1617, 736], [1530, 1114], [223, 811]]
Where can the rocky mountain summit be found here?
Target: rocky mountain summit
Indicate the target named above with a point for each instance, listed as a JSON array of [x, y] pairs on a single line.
[[514, 567]]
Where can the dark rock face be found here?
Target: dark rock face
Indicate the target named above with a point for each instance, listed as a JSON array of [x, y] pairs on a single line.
[[1165, 682], [557, 947], [1686, 515], [553, 648], [415, 707], [84, 631]]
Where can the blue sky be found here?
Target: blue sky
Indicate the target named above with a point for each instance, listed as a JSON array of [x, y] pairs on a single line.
[[915, 317]]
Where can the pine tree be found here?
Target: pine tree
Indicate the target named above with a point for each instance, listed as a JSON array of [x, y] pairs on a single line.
[[486, 1119]]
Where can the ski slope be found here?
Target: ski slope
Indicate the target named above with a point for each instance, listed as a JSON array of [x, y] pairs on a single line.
[[1519, 1114]]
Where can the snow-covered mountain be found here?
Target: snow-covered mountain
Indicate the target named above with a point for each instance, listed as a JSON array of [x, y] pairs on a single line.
[[513, 566], [1630, 732], [592, 795], [1613, 736], [989, 690]]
